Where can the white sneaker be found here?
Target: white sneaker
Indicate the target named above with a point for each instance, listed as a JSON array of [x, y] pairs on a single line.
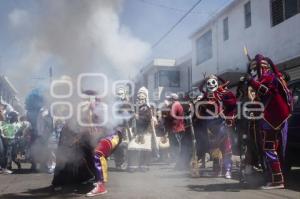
[[270, 186], [7, 171], [228, 175]]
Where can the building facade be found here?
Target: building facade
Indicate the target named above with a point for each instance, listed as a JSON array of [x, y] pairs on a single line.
[[269, 27], [165, 76], [8, 95]]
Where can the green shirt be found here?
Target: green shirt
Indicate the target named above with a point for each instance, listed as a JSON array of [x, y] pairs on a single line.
[[9, 130]]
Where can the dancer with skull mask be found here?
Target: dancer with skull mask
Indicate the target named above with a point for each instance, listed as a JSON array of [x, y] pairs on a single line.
[[124, 113], [218, 106], [272, 91], [140, 147]]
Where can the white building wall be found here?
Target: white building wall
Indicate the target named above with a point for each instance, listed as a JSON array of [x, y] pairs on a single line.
[[148, 77], [280, 43]]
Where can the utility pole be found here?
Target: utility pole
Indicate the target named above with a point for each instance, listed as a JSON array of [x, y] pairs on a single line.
[[50, 76], [1, 69]]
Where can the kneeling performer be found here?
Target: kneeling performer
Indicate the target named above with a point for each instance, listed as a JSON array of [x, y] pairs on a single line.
[[103, 150]]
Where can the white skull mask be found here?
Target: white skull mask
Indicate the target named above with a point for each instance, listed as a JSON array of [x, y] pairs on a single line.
[[141, 99], [142, 96], [212, 84], [121, 94]]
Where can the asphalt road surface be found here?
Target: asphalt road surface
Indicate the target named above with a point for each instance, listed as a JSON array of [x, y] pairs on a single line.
[[161, 182]]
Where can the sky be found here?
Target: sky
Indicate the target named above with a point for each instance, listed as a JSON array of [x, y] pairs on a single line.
[[150, 19], [114, 37]]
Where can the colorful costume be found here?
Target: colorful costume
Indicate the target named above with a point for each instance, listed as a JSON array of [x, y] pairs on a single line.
[[140, 147], [103, 150], [220, 103], [276, 97]]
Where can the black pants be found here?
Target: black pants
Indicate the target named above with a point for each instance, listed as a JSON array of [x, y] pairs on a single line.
[[2, 153], [181, 148], [202, 141], [120, 154], [8, 145]]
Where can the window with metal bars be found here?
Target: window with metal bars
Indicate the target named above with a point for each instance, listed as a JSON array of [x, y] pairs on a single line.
[[291, 8], [283, 9]]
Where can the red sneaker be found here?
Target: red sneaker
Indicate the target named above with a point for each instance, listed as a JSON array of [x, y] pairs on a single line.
[[98, 190]]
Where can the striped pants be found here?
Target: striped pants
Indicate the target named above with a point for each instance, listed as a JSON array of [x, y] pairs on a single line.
[[103, 150], [273, 143]]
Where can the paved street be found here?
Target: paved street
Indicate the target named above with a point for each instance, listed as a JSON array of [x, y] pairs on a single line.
[[161, 182]]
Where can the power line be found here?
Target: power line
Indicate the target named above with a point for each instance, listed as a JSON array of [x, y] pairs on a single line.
[[176, 24], [165, 6]]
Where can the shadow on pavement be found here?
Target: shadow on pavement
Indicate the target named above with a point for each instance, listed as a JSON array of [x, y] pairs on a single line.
[[25, 171], [254, 182], [70, 191], [293, 180], [113, 169], [226, 187]]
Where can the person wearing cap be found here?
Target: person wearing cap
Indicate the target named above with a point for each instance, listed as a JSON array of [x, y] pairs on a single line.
[[177, 129]]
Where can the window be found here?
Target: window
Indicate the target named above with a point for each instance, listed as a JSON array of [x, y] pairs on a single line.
[[291, 8], [247, 10], [283, 9], [204, 47], [225, 29], [277, 12], [169, 78]]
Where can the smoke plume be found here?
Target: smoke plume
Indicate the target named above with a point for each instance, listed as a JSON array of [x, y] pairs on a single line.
[[76, 37]]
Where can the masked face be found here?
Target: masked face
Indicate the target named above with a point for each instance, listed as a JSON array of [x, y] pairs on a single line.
[[212, 85], [259, 66], [141, 99], [253, 72], [253, 69], [121, 94]]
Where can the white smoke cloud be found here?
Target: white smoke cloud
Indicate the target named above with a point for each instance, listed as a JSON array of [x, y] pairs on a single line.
[[34, 57], [18, 17], [81, 36]]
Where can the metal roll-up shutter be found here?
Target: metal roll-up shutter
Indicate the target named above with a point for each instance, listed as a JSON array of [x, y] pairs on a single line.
[[294, 72]]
